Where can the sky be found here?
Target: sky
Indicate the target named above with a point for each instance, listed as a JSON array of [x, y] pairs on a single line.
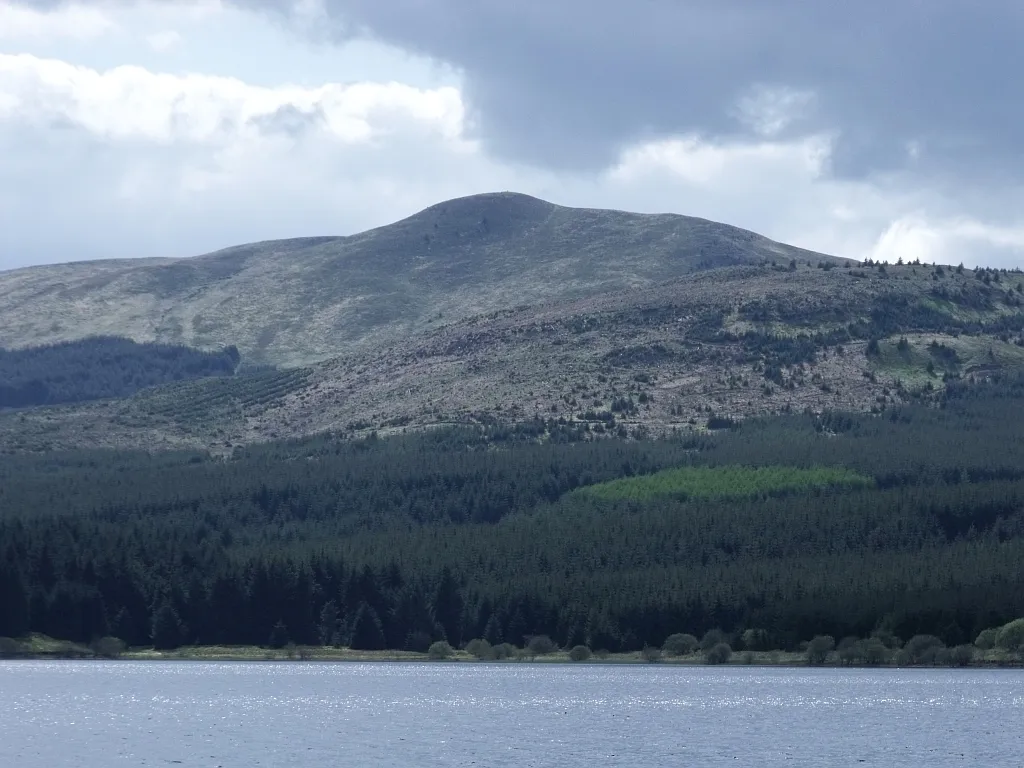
[[157, 128]]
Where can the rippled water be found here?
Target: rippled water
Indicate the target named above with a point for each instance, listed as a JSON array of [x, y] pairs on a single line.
[[96, 714]]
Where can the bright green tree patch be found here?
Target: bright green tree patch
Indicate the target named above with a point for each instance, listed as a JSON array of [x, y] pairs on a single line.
[[733, 482]]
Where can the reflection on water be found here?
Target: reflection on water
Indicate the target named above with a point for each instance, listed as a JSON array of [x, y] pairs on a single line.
[[98, 714]]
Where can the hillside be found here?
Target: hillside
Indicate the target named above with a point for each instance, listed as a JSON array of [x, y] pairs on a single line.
[[296, 302], [686, 354], [100, 367]]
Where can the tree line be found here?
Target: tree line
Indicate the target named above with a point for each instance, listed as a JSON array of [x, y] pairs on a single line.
[[101, 367], [461, 534]]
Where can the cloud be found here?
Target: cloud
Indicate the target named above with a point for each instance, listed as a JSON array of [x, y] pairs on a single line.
[[77, 22], [569, 84], [130, 162], [112, 161]]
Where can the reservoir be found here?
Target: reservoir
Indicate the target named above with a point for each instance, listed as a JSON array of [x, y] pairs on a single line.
[[320, 715]]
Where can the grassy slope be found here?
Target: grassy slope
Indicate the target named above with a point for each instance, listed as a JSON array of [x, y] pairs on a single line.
[[573, 360], [297, 301]]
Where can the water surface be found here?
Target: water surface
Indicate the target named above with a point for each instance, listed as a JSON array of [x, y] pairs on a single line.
[[315, 715]]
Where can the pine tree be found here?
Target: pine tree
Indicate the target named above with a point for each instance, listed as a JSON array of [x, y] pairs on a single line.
[[278, 636], [14, 603], [367, 634], [328, 627], [492, 632], [448, 608], [167, 630]]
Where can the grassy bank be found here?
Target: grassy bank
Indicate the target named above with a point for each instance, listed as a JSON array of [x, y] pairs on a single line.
[[41, 647]]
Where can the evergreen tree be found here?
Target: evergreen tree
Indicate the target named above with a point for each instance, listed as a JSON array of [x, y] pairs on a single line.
[[167, 630], [14, 602], [367, 634], [449, 607], [327, 630], [278, 636]]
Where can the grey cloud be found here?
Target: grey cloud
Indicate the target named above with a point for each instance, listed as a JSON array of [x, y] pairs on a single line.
[[569, 82]]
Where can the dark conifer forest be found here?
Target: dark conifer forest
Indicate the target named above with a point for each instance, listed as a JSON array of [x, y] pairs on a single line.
[[101, 367], [911, 521]]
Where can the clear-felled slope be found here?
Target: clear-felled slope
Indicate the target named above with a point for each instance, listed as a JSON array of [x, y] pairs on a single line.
[[297, 301]]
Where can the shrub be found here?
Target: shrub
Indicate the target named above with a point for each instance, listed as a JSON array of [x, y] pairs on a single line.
[[1010, 637], [579, 653], [10, 648], [873, 651], [504, 651], [439, 650], [719, 654], [849, 650], [680, 644], [961, 656], [887, 638], [650, 654], [986, 640], [819, 648], [479, 648], [922, 649], [540, 645], [712, 638], [108, 647]]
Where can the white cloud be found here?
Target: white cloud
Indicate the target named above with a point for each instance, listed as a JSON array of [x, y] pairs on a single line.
[[126, 161], [131, 103], [77, 22], [950, 241]]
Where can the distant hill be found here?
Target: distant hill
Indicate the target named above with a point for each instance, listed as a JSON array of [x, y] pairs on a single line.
[[695, 353], [294, 302]]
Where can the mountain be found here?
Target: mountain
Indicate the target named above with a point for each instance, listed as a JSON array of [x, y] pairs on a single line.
[[691, 353], [295, 302], [495, 309]]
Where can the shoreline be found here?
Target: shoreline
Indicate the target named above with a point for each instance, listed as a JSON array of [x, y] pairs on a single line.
[[43, 649]]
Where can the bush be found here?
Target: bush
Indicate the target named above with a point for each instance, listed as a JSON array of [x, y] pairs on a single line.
[[887, 638], [873, 651], [849, 650], [504, 651], [479, 648], [10, 648], [719, 654], [986, 641], [922, 649], [819, 648], [1010, 637], [650, 654], [680, 644], [961, 656], [108, 647], [540, 645], [712, 638], [439, 650], [579, 653]]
